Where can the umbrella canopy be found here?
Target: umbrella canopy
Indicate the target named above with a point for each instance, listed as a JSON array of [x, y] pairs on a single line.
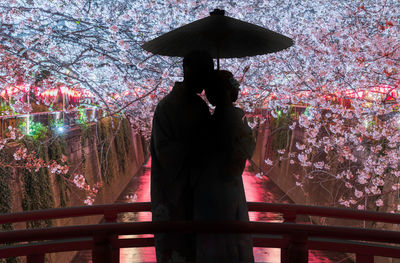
[[221, 36]]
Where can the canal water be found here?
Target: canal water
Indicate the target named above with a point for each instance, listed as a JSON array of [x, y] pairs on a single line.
[[257, 188]]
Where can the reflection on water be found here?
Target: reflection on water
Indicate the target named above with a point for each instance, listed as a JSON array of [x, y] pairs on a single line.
[[257, 190], [264, 190], [139, 185]]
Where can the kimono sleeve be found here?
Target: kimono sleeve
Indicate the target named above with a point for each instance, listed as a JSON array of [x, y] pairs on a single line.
[[243, 139], [168, 152], [246, 137]]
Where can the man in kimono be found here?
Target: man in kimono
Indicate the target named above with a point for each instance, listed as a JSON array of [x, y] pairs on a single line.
[[178, 147]]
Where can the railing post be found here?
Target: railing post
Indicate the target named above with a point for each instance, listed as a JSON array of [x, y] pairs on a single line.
[[284, 251], [103, 249], [364, 258], [297, 251], [288, 217], [111, 216], [38, 258]]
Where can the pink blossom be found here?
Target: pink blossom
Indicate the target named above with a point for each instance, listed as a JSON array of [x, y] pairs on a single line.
[[362, 180], [20, 154], [348, 185], [79, 181], [304, 122], [395, 187], [269, 162], [12, 135], [379, 202], [88, 201], [114, 28], [131, 198], [375, 190], [346, 203], [319, 165], [302, 157], [327, 148], [300, 146], [357, 193]]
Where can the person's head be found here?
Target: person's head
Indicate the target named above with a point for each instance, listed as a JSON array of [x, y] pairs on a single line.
[[225, 88], [198, 68]]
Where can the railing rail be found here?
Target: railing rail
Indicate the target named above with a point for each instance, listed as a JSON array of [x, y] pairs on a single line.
[[323, 211], [137, 228], [294, 239], [284, 209], [108, 210]]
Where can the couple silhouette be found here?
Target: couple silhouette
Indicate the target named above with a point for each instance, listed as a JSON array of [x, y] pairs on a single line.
[[197, 163]]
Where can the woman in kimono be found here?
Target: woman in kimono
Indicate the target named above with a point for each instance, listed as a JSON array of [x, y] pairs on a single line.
[[220, 193]]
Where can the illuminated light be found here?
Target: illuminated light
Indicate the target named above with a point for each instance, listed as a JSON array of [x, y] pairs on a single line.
[[93, 117], [10, 91], [360, 94], [60, 129], [49, 93], [63, 89]]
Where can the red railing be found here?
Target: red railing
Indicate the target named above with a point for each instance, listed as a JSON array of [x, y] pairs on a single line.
[[294, 239]]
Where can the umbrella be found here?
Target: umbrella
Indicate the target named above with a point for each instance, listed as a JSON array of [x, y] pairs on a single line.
[[221, 36]]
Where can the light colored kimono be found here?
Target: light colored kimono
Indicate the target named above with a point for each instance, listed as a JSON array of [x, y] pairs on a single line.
[[220, 193], [181, 124]]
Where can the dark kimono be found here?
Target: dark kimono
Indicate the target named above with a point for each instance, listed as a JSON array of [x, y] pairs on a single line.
[[220, 193], [178, 143]]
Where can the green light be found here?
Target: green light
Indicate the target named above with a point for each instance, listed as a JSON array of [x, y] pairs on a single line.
[[36, 130]]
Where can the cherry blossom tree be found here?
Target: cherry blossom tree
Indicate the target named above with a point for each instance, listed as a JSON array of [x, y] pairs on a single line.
[[354, 55], [22, 158], [341, 49]]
